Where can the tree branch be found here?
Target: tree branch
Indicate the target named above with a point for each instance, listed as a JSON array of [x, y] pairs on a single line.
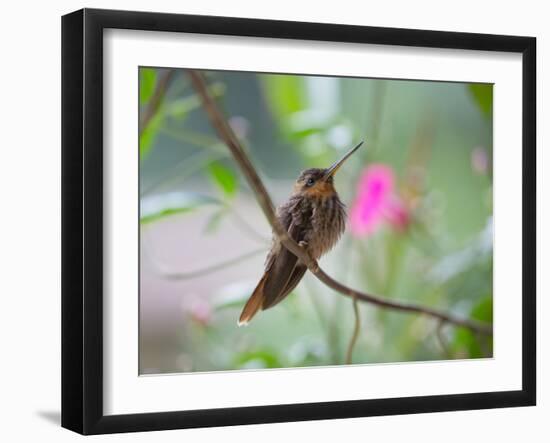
[[355, 334], [162, 270], [441, 339], [227, 135], [156, 99]]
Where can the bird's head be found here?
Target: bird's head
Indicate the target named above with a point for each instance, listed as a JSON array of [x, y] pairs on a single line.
[[316, 182]]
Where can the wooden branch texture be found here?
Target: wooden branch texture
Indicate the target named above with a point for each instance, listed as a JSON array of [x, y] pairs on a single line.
[[156, 99]]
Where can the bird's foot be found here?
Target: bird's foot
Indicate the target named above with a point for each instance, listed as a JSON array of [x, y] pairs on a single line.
[[304, 244]]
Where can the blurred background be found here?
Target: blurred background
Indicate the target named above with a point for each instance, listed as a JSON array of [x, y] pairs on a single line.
[[419, 198]]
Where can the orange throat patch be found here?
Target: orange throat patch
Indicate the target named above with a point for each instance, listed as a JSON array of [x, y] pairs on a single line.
[[320, 189]]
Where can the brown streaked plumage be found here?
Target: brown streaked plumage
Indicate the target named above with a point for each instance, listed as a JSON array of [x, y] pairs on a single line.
[[314, 217]]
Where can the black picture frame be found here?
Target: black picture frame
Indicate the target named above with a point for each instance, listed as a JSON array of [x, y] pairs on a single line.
[[82, 220]]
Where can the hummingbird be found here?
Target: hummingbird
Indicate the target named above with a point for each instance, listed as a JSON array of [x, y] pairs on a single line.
[[314, 217]]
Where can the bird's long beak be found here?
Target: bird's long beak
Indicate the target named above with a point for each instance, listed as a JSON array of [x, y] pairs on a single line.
[[332, 170]]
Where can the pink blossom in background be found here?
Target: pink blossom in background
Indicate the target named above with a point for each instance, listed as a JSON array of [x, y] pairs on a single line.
[[201, 312], [377, 202], [480, 160], [397, 214]]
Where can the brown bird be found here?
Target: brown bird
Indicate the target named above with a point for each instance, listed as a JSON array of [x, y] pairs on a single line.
[[315, 218]]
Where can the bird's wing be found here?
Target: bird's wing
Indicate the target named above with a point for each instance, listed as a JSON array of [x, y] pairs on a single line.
[[281, 271], [296, 276], [254, 303]]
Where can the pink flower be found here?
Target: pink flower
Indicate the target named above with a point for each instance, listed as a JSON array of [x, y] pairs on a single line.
[[376, 202], [201, 312], [480, 161]]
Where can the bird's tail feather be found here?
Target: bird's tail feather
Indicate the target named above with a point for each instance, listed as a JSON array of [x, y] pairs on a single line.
[[253, 304]]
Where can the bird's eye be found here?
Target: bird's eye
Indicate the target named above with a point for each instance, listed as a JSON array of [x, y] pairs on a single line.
[[310, 182]]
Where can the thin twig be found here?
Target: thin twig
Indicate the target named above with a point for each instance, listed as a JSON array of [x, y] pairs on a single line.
[[201, 272], [483, 345], [355, 334], [248, 229], [225, 132], [156, 99], [195, 138], [212, 268], [182, 170], [441, 339]]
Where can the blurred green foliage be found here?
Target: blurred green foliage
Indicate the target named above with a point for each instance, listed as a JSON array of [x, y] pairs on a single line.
[[224, 178], [173, 203], [147, 82], [436, 137], [483, 94]]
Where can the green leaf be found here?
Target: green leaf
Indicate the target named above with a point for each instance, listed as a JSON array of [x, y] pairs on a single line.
[[483, 95], [214, 221], [147, 81], [157, 207], [483, 311], [149, 134], [466, 343], [258, 359], [163, 214], [223, 178], [284, 93]]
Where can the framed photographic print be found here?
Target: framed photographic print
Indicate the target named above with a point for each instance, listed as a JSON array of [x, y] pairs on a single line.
[[269, 221]]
